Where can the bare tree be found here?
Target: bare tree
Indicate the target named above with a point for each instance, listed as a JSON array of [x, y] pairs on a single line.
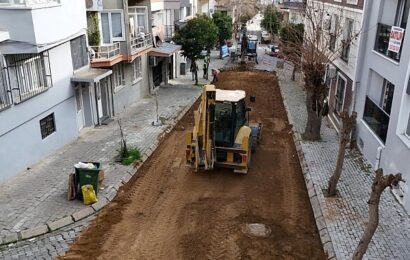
[[380, 183], [320, 47], [348, 122]]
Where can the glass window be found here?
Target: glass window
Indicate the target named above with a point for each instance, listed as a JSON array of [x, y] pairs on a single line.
[[118, 75], [116, 25], [223, 123], [240, 115], [137, 69], [387, 96], [79, 52], [47, 126], [340, 92], [105, 24]]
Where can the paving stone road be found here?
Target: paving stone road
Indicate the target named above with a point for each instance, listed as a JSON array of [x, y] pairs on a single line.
[[346, 216]]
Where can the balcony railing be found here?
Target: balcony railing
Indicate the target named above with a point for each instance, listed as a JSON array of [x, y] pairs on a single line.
[[106, 51], [376, 118], [28, 3], [140, 42], [382, 42]]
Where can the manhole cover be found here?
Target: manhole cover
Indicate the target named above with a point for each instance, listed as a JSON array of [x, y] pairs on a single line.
[[256, 230]]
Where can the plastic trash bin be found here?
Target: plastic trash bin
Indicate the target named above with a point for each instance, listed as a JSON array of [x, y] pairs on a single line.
[[87, 176]]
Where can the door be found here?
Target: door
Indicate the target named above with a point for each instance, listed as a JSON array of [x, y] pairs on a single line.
[[99, 101], [79, 105]]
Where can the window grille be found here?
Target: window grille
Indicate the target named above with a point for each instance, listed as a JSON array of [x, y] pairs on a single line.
[[47, 126], [29, 75], [5, 98]]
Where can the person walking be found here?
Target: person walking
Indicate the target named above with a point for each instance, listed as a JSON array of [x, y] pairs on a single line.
[[215, 74], [194, 70], [206, 66]]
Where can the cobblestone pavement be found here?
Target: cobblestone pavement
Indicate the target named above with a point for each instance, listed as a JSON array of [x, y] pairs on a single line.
[[346, 216], [33, 199]]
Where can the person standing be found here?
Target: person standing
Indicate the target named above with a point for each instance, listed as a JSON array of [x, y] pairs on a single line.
[[194, 70], [215, 74], [206, 66]]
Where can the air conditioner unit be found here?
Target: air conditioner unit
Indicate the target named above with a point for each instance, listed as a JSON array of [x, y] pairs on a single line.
[[331, 71], [94, 5]]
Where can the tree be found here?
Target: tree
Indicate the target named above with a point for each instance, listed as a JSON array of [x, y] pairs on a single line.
[[271, 20], [380, 183], [224, 24], [320, 47], [200, 33], [348, 123]]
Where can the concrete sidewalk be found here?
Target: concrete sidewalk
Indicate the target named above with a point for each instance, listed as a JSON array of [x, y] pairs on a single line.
[[35, 202], [341, 220]]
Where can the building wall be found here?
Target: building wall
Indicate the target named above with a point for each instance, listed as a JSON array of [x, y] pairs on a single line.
[[132, 92], [20, 128], [396, 149]]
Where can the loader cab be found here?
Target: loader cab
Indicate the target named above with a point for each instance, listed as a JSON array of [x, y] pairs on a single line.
[[230, 115]]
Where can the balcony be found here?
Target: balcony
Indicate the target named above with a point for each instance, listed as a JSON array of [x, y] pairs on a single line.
[[140, 43], [376, 118], [28, 3], [382, 42], [106, 55]]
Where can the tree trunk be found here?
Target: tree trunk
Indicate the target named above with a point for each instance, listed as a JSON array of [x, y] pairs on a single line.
[[380, 183], [314, 121], [332, 188], [348, 122]]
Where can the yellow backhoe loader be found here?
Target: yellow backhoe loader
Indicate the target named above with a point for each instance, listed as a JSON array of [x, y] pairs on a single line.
[[222, 137]]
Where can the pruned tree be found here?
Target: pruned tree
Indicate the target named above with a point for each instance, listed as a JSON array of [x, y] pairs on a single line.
[[380, 183], [326, 36], [291, 37], [348, 122]]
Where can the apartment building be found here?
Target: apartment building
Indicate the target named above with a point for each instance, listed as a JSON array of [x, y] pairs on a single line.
[[292, 11], [120, 38], [383, 92], [38, 107], [342, 26]]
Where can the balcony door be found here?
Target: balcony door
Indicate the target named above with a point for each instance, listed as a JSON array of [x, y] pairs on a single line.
[[138, 20]]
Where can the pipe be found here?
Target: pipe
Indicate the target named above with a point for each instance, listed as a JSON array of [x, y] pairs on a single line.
[[378, 157]]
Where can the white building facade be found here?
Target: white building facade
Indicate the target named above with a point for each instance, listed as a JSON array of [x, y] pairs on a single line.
[[383, 98], [37, 98]]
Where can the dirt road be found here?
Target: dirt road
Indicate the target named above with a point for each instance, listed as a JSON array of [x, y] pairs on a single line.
[[170, 212]]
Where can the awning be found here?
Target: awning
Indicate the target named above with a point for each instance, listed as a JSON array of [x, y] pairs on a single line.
[[165, 50], [90, 75]]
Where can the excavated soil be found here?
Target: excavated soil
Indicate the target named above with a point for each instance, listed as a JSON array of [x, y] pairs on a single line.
[[168, 211]]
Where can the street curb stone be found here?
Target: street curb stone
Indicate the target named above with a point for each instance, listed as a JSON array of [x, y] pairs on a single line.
[[33, 232], [85, 212], [314, 201], [60, 223], [90, 210]]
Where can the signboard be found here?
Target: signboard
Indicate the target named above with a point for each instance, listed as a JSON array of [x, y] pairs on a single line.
[[396, 38], [224, 51]]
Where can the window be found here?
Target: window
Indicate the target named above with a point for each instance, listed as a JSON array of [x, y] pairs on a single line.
[[5, 100], [29, 75], [28, 2], [188, 11], [118, 75], [340, 94], [402, 13], [47, 126], [137, 69], [112, 27], [332, 42], [382, 42], [138, 19], [347, 39], [377, 114], [79, 52], [408, 128], [352, 2]]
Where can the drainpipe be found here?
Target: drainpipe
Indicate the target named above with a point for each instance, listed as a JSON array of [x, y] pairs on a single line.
[[126, 29], [378, 157]]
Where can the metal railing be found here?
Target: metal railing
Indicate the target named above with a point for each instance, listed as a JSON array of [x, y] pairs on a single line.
[[106, 51], [382, 42], [376, 118], [27, 2], [140, 42], [5, 98]]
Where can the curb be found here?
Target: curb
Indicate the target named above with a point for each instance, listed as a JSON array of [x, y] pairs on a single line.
[[132, 170], [313, 189]]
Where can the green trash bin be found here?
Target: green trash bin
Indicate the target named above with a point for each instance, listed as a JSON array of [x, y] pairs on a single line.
[[87, 176]]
